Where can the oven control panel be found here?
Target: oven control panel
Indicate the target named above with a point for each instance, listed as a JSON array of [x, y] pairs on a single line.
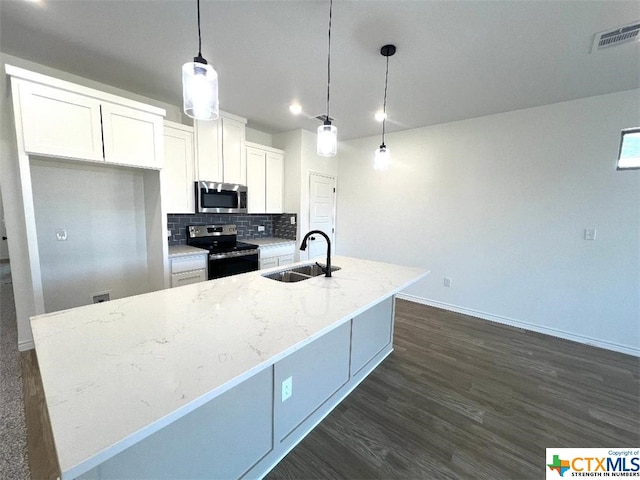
[[211, 230]]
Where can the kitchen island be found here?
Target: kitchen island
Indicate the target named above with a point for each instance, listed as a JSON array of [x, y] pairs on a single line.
[[218, 379]]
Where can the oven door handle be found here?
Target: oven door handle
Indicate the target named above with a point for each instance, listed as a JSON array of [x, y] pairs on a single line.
[[243, 253]]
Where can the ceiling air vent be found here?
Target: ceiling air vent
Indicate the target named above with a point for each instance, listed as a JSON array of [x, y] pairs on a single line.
[[611, 38]]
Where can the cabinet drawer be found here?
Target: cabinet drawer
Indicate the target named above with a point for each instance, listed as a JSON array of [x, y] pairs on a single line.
[[268, 262], [186, 264], [277, 250], [285, 259], [187, 278]]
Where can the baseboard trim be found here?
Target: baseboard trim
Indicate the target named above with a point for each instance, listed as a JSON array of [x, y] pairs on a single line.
[[24, 346], [524, 325]]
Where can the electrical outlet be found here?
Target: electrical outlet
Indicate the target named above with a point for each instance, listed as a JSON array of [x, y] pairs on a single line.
[[287, 388], [292, 219], [61, 234], [447, 282], [260, 228], [100, 297], [590, 233]]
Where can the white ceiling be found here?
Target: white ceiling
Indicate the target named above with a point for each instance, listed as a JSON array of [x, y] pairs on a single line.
[[455, 59]]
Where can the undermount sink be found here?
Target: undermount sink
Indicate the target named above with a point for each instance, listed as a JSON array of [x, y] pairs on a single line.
[[297, 274]]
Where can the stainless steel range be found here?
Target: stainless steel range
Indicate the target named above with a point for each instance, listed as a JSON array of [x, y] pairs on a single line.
[[227, 256]]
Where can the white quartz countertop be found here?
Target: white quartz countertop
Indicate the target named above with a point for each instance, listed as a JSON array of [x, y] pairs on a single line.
[[184, 250], [269, 241], [116, 372]]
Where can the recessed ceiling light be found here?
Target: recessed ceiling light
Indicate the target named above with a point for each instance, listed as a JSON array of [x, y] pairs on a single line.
[[295, 108], [380, 115]]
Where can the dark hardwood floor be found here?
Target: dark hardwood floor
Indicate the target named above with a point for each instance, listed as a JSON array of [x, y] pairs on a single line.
[[459, 398], [462, 397]]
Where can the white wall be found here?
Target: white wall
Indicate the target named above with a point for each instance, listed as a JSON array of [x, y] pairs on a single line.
[[256, 136], [301, 159], [499, 204], [102, 209]]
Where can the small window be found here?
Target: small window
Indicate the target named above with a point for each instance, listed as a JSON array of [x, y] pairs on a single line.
[[629, 155]]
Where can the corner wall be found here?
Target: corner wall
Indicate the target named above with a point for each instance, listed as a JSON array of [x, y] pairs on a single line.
[[499, 205]]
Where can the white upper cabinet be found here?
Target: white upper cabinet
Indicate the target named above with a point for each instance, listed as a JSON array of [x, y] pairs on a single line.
[[179, 168], [274, 180], [208, 150], [56, 118], [234, 161], [265, 179], [220, 149], [132, 137], [60, 123], [256, 184]]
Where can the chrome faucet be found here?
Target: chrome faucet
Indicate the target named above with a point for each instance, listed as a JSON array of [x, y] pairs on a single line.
[[303, 246]]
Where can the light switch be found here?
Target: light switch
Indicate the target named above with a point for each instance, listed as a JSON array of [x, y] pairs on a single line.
[[590, 233]]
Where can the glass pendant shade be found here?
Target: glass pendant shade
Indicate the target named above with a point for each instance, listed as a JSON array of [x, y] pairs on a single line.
[[200, 90], [327, 140], [382, 158]]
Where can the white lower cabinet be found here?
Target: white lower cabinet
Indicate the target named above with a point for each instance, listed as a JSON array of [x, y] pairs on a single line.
[[277, 255], [188, 269]]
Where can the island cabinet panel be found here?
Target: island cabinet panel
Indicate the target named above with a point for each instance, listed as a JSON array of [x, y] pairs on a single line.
[[317, 371], [371, 332], [224, 438]]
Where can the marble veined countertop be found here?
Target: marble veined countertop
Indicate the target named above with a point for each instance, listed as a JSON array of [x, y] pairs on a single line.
[[268, 241], [184, 250], [116, 372]]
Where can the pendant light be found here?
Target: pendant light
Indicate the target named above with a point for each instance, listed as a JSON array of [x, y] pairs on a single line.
[[382, 156], [200, 85], [327, 133]]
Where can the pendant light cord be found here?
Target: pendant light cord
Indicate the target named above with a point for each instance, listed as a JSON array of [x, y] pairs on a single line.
[[199, 36], [384, 105], [329, 60]]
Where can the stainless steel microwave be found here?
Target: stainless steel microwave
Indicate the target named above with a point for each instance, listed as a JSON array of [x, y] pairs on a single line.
[[217, 197]]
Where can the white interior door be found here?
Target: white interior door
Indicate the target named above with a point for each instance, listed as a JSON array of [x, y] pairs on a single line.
[[322, 203]]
